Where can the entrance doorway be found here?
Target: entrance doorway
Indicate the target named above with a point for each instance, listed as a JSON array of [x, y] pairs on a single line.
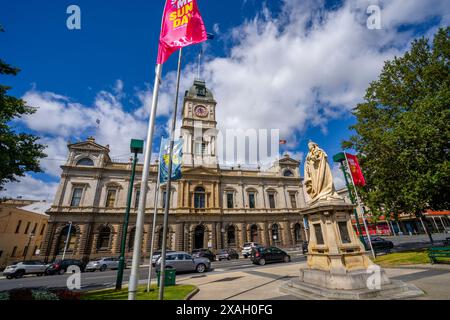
[[199, 236]]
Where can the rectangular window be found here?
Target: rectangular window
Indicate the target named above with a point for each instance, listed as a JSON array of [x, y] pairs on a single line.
[[293, 200], [1, 253], [34, 228], [318, 232], [203, 148], [13, 253], [230, 202], [27, 227], [111, 198], [42, 229], [25, 251], [272, 200], [35, 249], [18, 226], [76, 197], [343, 230], [136, 200], [251, 200]]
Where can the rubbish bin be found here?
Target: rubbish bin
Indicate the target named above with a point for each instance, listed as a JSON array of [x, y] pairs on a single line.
[[169, 277]]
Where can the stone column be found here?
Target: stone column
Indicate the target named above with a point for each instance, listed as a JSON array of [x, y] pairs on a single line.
[[287, 239], [146, 239], [213, 235], [244, 233]]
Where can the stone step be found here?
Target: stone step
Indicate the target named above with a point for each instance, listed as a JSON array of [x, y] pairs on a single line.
[[394, 291]]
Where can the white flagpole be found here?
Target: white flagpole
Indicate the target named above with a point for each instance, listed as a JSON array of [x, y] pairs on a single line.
[[134, 276], [360, 206], [152, 246], [169, 183]]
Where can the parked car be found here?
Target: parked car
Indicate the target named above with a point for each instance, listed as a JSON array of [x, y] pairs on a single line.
[[380, 244], [157, 255], [305, 247], [182, 261], [262, 255], [247, 248], [446, 242], [61, 266], [19, 269], [103, 264], [204, 253], [227, 254]]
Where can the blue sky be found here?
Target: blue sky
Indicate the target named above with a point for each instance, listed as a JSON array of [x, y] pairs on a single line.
[[296, 65]]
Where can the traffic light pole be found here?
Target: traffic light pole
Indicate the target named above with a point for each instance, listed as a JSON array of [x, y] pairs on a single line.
[[125, 227]]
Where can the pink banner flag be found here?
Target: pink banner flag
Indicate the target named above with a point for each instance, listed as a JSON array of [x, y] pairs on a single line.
[[182, 26]]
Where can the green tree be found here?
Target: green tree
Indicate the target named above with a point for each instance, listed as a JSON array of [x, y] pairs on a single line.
[[19, 152], [402, 131]]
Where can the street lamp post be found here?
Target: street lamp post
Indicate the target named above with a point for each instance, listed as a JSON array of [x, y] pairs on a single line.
[[340, 157], [136, 147], [67, 240]]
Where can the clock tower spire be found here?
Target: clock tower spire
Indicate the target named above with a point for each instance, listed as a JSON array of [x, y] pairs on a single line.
[[199, 126]]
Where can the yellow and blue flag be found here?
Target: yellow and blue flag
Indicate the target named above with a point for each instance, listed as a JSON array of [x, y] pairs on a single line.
[[164, 158]]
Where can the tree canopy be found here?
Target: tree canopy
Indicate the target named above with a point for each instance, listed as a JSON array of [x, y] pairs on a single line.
[[19, 152], [402, 133]]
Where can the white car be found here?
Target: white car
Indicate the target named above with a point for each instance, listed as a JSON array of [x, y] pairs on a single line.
[[103, 264], [19, 269], [247, 248]]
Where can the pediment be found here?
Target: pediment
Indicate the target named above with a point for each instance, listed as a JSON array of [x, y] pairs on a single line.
[[289, 162], [89, 146], [200, 171]]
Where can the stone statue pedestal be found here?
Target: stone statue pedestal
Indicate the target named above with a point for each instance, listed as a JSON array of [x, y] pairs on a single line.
[[337, 264]]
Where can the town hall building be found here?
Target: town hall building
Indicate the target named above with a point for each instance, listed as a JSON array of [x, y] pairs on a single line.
[[211, 206]]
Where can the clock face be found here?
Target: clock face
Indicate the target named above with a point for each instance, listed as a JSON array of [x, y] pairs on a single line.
[[201, 111]]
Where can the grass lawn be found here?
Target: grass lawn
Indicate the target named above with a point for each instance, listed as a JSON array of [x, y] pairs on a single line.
[[178, 292], [403, 258]]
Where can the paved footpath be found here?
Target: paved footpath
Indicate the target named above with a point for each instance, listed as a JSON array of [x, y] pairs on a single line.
[[262, 283]]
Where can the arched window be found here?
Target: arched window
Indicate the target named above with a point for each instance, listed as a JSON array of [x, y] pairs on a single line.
[[297, 232], [64, 236], [131, 239], [103, 238], [288, 173], [231, 236], [85, 162], [275, 235], [199, 198]]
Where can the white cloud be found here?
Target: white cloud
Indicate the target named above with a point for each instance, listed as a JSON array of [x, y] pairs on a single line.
[[30, 188], [338, 176], [58, 120]]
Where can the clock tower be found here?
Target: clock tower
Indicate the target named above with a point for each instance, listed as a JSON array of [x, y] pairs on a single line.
[[198, 127]]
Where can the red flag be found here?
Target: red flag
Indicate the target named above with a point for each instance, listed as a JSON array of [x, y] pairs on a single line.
[[355, 170], [182, 26]]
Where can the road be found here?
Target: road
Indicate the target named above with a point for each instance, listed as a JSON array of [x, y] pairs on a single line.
[[98, 280]]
